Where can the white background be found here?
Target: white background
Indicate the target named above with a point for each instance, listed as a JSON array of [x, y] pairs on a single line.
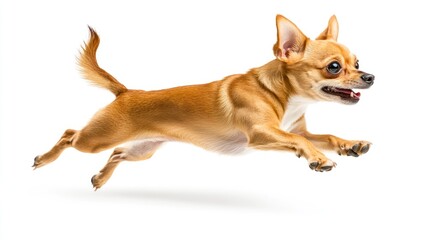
[[184, 192]]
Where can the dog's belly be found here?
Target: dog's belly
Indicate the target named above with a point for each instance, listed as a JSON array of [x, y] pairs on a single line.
[[232, 144], [226, 144]]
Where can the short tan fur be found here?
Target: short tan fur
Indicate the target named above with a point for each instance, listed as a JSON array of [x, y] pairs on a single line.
[[261, 109]]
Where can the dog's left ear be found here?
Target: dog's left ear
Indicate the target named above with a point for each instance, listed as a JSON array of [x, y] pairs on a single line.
[[290, 40], [331, 32]]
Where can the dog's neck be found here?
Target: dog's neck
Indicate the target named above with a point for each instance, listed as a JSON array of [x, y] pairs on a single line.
[[274, 76]]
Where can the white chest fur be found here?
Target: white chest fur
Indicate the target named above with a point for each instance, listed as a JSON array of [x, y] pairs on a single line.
[[294, 110]]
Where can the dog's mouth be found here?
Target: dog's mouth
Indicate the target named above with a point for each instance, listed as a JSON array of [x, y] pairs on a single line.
[[344, 93]]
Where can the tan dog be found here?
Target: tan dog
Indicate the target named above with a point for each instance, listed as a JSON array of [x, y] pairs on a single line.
[[241, 111]]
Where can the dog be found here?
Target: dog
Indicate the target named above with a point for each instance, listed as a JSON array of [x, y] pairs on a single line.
[[261, 109]]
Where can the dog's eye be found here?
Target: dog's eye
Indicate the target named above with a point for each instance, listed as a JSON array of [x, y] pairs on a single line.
[[357, 64], [334, 67]]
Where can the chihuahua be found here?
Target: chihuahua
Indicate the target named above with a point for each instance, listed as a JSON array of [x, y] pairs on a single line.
[[261, 109]]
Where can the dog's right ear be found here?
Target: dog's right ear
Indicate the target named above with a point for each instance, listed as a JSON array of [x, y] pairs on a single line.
[[290, 40]]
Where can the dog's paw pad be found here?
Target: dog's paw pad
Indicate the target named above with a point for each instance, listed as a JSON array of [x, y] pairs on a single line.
[[353, 153], [354, 148], [93, 179], [313, 165], [365, 149], [35, 163], [97, 181], [327, 168]]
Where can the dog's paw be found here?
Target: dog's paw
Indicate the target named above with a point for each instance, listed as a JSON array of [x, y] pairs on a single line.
[[35, 163], [38, 162], [321, 164], [98, 181], [354, 148]]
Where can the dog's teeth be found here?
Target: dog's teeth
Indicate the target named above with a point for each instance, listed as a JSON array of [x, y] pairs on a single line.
[[351, 94]]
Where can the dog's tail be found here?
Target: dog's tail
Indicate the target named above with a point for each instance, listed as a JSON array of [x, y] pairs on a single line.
[[90, 69]]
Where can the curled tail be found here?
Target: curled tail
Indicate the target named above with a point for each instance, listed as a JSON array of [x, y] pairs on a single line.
[[92, 72]]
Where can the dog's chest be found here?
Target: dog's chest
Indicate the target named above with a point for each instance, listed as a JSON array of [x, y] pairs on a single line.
[[295, 108]]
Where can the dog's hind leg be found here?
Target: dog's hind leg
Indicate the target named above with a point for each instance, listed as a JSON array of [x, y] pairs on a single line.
[[100, 134], [89, 140], [64, 142], [135, 151]]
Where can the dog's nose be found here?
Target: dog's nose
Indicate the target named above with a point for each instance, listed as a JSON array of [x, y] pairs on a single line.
[[368, 78]]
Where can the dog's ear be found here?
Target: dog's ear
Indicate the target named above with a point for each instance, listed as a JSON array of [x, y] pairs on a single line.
[[331, 32], [289, 39]]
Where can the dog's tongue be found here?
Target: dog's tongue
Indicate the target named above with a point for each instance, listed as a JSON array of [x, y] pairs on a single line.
[[356, 95], [349, 92]]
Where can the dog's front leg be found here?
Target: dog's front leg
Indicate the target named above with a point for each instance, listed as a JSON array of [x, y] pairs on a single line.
[[343, 147], [273, 138], [330, 142]]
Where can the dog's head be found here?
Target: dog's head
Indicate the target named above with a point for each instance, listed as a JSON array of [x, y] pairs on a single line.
[[320, 69]]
